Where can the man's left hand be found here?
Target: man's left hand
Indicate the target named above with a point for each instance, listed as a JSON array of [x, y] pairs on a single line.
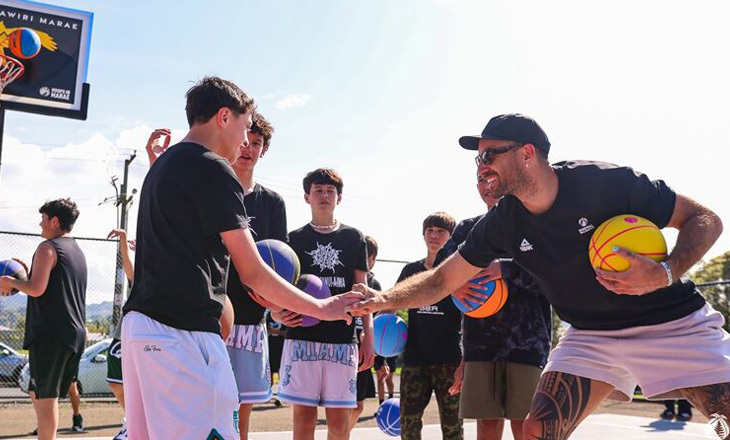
[[643, 276]]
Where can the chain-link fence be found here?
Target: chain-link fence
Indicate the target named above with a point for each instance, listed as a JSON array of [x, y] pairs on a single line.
[[101, 259]]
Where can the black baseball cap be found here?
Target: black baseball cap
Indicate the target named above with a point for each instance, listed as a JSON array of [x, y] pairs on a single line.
[[514, 127]]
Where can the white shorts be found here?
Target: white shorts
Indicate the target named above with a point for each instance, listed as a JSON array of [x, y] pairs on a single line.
[[248, 349], [691, 351], [177, 383], [318, 374]]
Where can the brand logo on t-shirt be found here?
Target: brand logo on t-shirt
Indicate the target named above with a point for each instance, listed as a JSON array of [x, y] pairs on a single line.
[[430, 310], [584, 226], [525, 245], [326, 257]]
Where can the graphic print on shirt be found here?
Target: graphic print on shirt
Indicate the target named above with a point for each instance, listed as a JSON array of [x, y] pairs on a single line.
[[327, 258]]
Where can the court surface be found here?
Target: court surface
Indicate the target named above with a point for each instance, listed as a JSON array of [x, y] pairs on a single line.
[[596, 427]]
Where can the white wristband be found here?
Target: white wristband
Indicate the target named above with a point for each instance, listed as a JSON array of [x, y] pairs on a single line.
[[668, 270]]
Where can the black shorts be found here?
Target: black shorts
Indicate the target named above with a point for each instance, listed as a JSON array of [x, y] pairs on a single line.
[[365, 385], [276, 346], [53, 366], [391, 362]]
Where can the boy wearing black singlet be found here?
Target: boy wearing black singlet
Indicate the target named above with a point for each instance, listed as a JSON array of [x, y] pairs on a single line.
[[55, 332]]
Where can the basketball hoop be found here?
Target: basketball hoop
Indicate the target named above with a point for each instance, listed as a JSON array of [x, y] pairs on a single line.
[[10, 69]]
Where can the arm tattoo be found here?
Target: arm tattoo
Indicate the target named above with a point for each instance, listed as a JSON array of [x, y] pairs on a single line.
[[559, 404]]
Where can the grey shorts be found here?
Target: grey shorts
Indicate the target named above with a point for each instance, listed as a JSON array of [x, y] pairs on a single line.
[[688, 352], [497, 390]]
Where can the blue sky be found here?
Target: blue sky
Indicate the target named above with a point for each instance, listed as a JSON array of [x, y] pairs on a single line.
[[382, 90]]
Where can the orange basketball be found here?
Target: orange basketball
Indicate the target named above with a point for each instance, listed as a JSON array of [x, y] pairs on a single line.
[[494, 303], [629, 232]]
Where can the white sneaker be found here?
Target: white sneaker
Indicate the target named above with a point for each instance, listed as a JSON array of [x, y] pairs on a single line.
[[123, 432]]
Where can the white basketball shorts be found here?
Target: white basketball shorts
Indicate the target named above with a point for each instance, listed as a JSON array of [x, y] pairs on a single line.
[[177, 383], [318, 374]]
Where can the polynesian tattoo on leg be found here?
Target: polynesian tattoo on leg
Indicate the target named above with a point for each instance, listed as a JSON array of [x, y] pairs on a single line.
[[559, 404], [710, 399]]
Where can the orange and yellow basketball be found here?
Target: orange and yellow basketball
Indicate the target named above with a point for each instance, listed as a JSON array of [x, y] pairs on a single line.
[[629, 232], [494, 303]]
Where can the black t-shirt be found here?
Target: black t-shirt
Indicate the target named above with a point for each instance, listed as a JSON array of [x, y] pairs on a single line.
[[518, 333], [553, 246], [433, 331], [190, 196], [60, 313], [267, 219], [333, 257]]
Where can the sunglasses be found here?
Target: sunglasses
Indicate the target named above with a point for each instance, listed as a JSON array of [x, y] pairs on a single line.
[[487, 156]]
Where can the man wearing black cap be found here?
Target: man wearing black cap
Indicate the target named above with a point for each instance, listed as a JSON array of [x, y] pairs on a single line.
[[644, 325]]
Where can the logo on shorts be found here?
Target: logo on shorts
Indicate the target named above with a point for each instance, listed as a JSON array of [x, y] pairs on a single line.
[[718, 427], [525, 245], [116, 350], [584, 226], [235, 420], [151, 348], [287, 375], [353, 386], [214, 435]]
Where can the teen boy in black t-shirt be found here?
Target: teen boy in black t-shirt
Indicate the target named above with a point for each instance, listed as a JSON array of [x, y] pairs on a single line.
[[544, 223], [178, 379], [55, 332], [432, 351], [247, 344], [319, 364]]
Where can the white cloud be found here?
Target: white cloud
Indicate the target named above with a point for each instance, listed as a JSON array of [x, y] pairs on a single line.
[[293, 100]]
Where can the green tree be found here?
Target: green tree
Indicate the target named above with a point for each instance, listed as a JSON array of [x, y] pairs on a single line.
[[717, 269]]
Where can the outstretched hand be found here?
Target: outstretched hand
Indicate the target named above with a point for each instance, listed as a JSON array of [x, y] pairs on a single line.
[[643, 276], [336, 307], [371, 301]]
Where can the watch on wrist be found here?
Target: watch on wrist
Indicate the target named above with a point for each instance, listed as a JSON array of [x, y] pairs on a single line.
[[668, 270]]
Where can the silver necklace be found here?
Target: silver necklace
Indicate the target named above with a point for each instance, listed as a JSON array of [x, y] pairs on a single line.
[[331, 227]]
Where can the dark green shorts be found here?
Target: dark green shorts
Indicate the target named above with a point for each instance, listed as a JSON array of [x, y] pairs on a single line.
[[53, 366], [114, 362]]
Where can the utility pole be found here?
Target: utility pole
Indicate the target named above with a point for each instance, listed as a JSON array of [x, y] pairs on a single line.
[[120, 283]]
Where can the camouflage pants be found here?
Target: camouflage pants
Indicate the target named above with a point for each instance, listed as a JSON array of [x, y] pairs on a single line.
[[416, 385]]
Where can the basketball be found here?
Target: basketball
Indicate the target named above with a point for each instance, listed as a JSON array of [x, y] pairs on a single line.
[[629, 232], [24, 43], [313, 286], [388, 417], [280, 257], [390, 334], [497, 297], [13, 269]]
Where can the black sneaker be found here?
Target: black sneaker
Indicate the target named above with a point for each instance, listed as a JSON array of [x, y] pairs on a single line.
[[668, 414], [684, 416], [35, 431], [277, 403], [78, 423]]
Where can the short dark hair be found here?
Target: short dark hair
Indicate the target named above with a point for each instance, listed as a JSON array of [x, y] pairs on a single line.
[[372, 246], [542, 154], [262, 127], [323, 176], [439, 220], [211, 94], [65, 210]]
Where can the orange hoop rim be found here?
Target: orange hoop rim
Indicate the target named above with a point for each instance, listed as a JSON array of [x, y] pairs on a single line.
[[10, 69]]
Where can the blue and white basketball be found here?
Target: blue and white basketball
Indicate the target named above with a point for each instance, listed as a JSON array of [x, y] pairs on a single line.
[[280, 257], [390, 334], [13, 269], [388, 417]]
